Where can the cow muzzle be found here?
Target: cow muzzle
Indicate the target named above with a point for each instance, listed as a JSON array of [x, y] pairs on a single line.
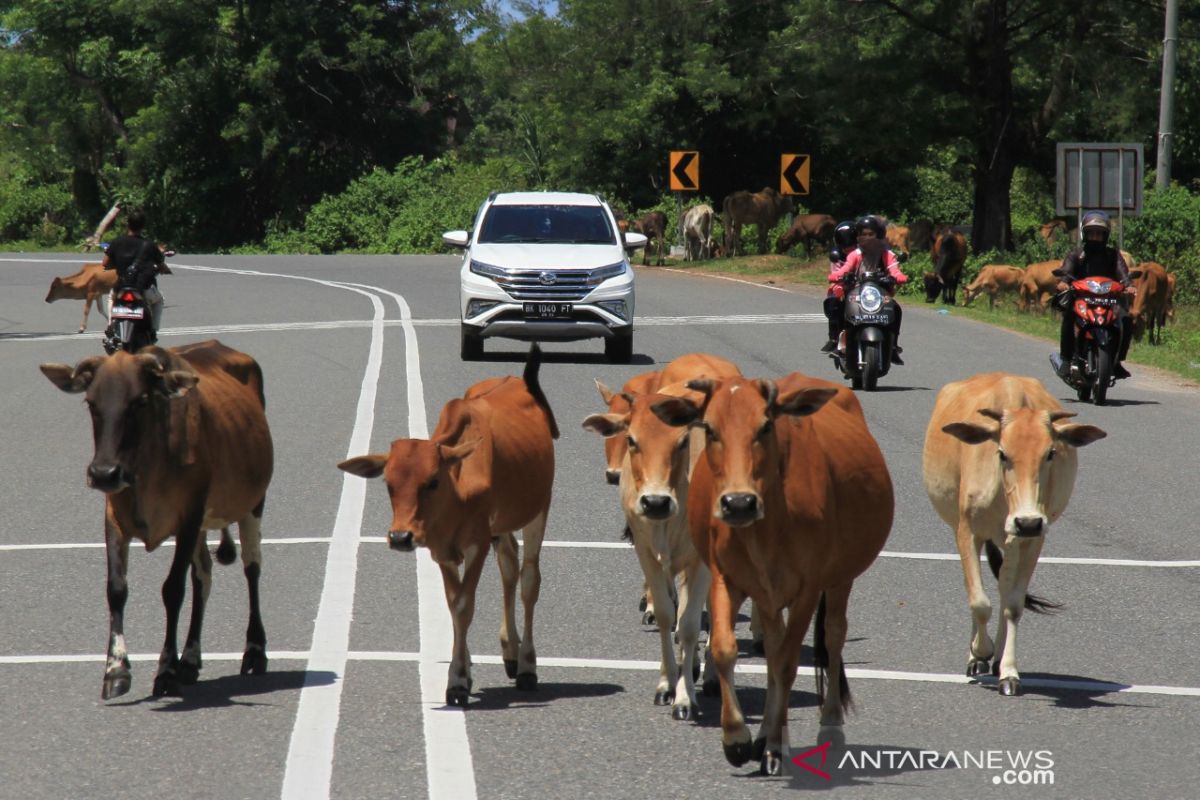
[[401, 540], [656, 506], [1029, 527], [739, 509], [613, 476], [107, 478]]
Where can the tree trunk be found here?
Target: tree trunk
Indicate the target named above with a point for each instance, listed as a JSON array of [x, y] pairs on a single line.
[[990, 68]]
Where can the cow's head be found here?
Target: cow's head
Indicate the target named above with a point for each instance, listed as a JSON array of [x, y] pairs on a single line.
[[738, 418], [933, 286], [614, 446], [1027, 443], [655, 453], [125, 395], [56, 290], [421, 484]]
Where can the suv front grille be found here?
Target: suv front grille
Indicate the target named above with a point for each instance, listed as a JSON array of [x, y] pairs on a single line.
[[570, 285]]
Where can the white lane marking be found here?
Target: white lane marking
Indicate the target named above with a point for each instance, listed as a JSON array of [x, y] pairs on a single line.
[[725, 278], [634, 665]]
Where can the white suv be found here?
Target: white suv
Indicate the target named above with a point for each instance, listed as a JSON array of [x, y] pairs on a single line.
[[546, 266]]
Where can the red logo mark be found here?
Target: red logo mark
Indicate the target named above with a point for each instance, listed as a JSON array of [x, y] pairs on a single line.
[[823, 750]]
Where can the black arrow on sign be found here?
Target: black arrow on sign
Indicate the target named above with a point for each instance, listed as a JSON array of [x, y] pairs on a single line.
[[792, 178], [680, 170]]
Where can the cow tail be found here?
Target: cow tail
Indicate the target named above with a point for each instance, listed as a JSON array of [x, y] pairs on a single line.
[[1038, 605], [821, 659], [532, 365]]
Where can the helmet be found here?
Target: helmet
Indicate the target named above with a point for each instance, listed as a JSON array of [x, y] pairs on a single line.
[[1095, 220], [844, 235], [872, 223]]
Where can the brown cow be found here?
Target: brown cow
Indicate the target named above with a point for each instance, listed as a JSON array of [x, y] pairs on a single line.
[[791, 502], [999, 483], [761, 209], [91, 284], [486, 472], [653, 226], [1038, 285], [992, 280], [1050, 231], [806, 229], [949, 255], [1150, 303], [181, 446]]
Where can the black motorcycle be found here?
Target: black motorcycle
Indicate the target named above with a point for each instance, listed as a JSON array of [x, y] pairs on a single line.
[[129, 326], [864, 352]]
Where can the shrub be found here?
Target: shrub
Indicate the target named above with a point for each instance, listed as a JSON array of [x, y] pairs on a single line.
[[1168, 231]]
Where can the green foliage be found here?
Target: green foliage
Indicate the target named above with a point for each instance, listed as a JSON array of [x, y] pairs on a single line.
[[1168, 231]]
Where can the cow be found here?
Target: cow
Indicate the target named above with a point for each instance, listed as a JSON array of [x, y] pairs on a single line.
[[949, 255], [993, 279], [1150, 303], [652, 225], [762, 209], [806, 229], [790, 503], [897, 238], [697, 233], [181, 446], [1050, 231], [1038, 285], [999, 465], [91, 284], [485, 472]]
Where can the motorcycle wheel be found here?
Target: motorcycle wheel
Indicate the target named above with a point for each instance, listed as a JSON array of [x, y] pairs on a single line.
[[1103, 376], [872, 365]]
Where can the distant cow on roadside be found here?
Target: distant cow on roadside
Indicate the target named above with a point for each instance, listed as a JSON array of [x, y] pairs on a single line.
[[993, 280], [949, 255], [1038, 285], [91, 284], [653, 226], [807, 229], [697, 233], [1149, 311], [897, 238], [761, 209]]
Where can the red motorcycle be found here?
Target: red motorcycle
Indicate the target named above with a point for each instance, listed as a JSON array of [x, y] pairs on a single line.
[[1096, 304]]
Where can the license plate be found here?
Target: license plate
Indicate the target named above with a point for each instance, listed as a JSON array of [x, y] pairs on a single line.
[[125, 312], [548, 310]]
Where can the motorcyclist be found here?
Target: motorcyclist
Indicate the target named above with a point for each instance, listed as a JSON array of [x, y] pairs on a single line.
[[870, 233], [844, 242], [138, 262], [1095, 258]]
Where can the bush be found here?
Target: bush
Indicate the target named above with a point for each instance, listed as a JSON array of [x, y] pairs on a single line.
[[42, 213], [1168, 231]]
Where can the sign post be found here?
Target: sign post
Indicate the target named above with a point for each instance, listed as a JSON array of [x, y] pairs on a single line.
[[1104, 176]]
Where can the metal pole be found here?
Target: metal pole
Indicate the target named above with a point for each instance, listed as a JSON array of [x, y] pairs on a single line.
[[1121, 198], [1079, 205], [1166, 105]]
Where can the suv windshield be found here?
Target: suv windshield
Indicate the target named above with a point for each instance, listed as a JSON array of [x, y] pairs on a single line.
[[506, 224]]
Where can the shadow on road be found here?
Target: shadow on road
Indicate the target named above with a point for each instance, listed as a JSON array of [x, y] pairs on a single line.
[[498, 698], [224, 691]]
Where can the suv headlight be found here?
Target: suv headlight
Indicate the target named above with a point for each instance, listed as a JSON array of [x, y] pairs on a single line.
[[871, 299], [614, 307], [487, 270], [599, 276]]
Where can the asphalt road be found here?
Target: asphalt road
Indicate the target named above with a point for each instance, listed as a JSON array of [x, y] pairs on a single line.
[[1112, 684]]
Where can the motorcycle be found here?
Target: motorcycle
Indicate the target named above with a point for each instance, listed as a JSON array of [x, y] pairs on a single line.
[[1096, 305], [129, 326], [864, 352]]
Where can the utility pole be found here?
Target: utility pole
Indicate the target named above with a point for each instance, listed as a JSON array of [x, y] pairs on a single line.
[[1166, 103]]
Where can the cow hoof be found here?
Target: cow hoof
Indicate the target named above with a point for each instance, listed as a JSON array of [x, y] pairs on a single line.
[[996, 668], [738, 754], [1010, 687], [642, 603], [115, 685], [166, 684], [187, 673], [254, 662], [510, 668], [457, 696], [664, 698], [771, 763], [685, 713], [648, 617], [977, 667], [711, 688], [527, 682]]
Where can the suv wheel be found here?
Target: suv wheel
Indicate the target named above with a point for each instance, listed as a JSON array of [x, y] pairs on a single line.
[[619, 349], [471, 348]]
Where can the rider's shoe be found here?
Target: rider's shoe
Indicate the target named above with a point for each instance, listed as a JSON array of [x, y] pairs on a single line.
[[829, 346], [1120, 372], [896, 359], [1062, 368]]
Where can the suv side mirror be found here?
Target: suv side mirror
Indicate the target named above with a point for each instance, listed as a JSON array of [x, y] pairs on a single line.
[[633, 241], [457, 238]]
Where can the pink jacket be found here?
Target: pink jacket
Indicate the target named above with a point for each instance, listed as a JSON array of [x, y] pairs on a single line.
[[840, 272]]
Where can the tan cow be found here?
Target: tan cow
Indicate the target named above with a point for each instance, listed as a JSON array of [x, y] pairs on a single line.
[[1038, 285], [791, 502], [486, 472], [1150, 303], [1050, 231], [992, 280], [181, 446], [897, 238], [761, 209], [806, 229], [999, 469], [697, 232], [91, 284]]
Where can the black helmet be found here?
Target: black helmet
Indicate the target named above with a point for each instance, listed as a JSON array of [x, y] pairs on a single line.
[[844, 235], [1095, 220], [872, 223]]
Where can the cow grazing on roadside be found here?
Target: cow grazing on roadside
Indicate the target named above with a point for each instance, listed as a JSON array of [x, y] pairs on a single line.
[[91, 284], [1150, 303], [807, 229], [761, 209], [994, 280], [654, 227], [791, 502], [486, 472], [897, 238], [1000, 467], [697, 233], [949, 255], [181, 446], [1038, 285]]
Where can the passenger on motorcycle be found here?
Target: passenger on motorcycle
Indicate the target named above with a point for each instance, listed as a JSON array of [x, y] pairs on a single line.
[[138, 262], [1097, 258], [870, 234], [844, 242]]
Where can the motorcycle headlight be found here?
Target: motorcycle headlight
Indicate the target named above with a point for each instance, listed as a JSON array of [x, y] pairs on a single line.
[[1096, 287], [870, 299]]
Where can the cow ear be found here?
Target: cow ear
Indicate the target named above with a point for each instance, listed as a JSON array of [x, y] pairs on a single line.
[[677, 411], [803, 402], [452, 455], [1134, 274], [365, 466], [73, 380], [970, 433], [1078, 435], [177, 382], [606, 424], [606, 394]]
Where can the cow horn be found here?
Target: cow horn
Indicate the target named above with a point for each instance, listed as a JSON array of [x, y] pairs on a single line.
[[703, 385], [629, 397], [150, 361], [1055, 416], [992, 413]]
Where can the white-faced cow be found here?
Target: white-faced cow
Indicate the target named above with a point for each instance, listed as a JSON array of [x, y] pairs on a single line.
[[181, 446], [791, 502], [486, 472], [697, 233], [91, 284], [999, 469]]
